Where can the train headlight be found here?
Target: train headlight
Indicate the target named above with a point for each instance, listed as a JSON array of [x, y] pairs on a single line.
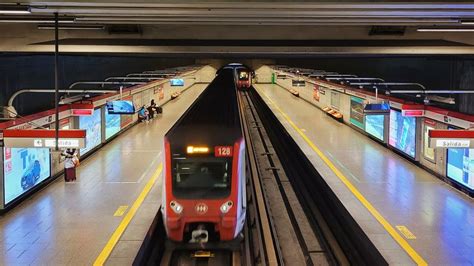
[[176, 207], [226, 206]]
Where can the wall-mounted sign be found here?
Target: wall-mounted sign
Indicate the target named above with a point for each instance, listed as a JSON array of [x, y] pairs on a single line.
[[316, 96], [451, 139], [413, 113], [377, 108], [452, 143], [82, 109], [44, 138]]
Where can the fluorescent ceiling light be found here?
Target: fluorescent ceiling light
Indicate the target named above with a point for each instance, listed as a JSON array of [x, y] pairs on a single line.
[[14, 10], [446, 29], [467, 22], [71, 27], [34, 20]]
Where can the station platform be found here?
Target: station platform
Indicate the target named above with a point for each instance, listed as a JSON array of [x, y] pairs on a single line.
[[103, 216], [410, 215]]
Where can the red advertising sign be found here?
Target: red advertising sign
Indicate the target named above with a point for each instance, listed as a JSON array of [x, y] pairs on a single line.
[[316, 93], [413, 113], [161, 93], [82, 112], [223, 151]]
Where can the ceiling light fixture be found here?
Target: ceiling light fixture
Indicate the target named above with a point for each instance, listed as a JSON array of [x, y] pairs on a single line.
[[445, 29], [14, 10], [34, 20], [71, 27], [467, 22]]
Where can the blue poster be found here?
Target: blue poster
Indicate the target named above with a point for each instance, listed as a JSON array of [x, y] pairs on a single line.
[[402, 134], [24, 168], [112, 124], [460, 166], [93, 130], [374, 125]]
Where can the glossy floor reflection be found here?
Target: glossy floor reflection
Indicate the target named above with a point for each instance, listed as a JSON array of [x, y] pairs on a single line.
[[441, 218]]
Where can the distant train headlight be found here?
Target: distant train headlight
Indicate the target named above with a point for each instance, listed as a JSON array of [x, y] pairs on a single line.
[[176, 207], [226, 206]]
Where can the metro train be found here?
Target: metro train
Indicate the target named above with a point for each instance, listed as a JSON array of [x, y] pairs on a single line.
[[243, 78], [204, 184]]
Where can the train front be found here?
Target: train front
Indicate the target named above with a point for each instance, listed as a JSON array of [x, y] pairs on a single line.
[[204, 193]]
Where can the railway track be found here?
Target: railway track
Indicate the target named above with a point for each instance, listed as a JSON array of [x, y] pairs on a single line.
[[293, 218]]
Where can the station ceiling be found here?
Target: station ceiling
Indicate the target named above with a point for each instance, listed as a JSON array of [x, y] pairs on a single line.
[[261, 28]]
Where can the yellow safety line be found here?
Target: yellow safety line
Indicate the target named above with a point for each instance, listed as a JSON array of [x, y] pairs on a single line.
[[100, 260], [389, 228]]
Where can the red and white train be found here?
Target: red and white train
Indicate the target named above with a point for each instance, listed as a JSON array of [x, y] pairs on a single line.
[[204, 183]]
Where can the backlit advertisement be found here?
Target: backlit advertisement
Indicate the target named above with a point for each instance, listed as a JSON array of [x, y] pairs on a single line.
[[374, 125], [93, 130], [112, 124], [177, 82], [428, 152], [125, 120], [24, 169], [460, 166], [357, 112], [402, 134]]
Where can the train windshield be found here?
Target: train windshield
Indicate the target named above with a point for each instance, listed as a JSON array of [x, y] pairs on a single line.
[[201, 177], [243, 75]]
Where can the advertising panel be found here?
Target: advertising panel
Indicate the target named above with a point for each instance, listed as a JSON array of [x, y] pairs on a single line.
[[93, 130], [24, 169], [374, 125], [428, 153], [160, 91], [120, 107], [316, 93], [460, 166], [112, 124], [357, 112], [125, 120], [402, 134], [177, 82]]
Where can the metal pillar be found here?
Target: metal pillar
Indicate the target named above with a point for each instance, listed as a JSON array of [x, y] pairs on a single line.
[[56, 79]]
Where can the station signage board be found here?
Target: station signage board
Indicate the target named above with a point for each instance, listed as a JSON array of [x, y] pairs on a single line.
[[452, 139], [44, 138], [82, 109], [413, 113]]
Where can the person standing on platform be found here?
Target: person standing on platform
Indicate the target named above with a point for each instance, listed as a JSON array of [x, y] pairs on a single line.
[[151, 109], [70, 163]]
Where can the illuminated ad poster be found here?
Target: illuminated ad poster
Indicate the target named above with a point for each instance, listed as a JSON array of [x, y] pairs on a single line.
[[357, 112], [177, 82], [125, 120], [112, 124], [460, 166], [428, 152], [93, 130], [402, 134], [24, 168], [160, 91], [375, 125], [316, 93]]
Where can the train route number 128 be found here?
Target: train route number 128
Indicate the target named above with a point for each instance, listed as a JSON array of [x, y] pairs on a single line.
[[223, 151]]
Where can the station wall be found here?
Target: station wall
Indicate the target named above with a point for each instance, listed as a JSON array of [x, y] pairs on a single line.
[[434, 72]]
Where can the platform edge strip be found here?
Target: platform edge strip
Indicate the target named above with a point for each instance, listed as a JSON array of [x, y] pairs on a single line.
[[389, 228], [107, 250]]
